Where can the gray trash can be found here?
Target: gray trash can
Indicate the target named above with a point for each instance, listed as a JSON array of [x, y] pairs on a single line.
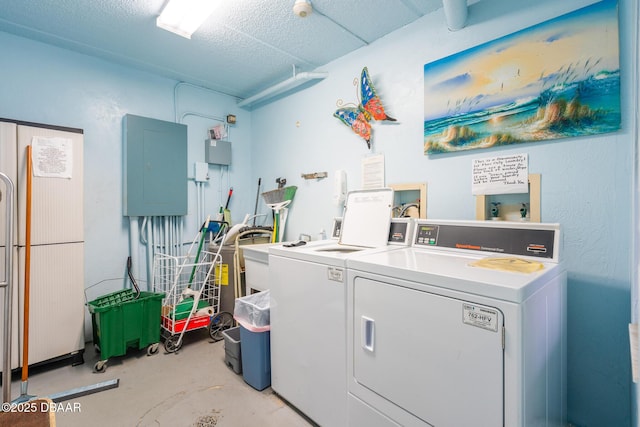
[[232, 349]]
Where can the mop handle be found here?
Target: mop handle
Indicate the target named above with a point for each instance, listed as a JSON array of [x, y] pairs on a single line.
[[255, 210], [202, 237], [27, 272], [229, 198]]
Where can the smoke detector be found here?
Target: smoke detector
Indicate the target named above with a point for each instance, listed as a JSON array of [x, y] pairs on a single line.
[[302, 8]]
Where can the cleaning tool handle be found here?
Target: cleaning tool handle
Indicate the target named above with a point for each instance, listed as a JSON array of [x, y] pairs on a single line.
[[133, 279], [255, 210], [229, 198], [203, 234], [27, 271]]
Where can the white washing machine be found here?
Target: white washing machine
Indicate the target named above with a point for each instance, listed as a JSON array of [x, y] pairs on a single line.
[[307, 312], [435, 340]]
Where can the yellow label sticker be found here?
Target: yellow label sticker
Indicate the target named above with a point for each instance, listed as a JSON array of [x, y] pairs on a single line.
[[222, 275]]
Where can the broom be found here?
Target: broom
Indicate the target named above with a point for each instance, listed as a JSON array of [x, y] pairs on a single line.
[[24, 397]]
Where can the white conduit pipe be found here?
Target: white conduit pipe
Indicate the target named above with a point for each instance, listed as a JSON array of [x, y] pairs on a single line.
[[134, 240], [165, 232], [220, 188], [455, 13], [202, 201], [173, 239], [197, 199], [202, 207], [180, 233], [176, 233], [155, 234], [175, 236], [144, 239], [176, 221], [172, 236], [150, 253], [157, 239], [170, 231], [175, 100]]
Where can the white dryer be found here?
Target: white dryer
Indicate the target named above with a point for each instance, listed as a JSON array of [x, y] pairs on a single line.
[[465, 328], [307, 312]]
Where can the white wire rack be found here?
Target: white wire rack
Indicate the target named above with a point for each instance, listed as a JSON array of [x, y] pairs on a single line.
[[191, 284]]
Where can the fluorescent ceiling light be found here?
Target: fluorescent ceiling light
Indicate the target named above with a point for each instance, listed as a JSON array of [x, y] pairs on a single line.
[[184, 17]]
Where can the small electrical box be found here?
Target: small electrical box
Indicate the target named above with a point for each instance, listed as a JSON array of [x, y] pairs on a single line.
[[201, 172], [217, 152]]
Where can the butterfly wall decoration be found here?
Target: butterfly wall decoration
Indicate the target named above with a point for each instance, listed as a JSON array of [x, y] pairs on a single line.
[[370, 107]]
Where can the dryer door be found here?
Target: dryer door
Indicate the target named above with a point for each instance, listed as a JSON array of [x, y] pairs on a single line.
[[438, 358]]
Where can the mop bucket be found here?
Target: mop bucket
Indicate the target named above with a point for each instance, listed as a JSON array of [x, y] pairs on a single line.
[[121, 321]]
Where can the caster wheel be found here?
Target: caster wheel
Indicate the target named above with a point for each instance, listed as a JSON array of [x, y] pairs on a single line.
[[220, 322], [171, 344], [153, 349], [100, 367]]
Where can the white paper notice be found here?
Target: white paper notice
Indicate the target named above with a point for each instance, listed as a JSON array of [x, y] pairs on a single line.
[[500, 175], [373, 172], [52, 157]]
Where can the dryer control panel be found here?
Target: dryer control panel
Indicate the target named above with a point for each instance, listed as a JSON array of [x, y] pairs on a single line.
[[507, 238]]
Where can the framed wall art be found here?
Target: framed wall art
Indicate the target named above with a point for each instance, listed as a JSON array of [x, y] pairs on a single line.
[[557, 79]]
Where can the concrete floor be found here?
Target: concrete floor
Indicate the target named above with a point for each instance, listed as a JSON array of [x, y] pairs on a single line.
[[193, 387]]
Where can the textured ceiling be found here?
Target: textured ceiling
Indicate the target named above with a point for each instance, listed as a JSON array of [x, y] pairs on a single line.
[[243, 48]]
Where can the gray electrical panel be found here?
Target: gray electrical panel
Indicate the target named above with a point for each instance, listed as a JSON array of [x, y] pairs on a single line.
[[217, 152], [155, 167]]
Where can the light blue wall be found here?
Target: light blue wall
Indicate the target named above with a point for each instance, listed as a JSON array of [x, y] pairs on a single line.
[[42, 84], [586, 182]]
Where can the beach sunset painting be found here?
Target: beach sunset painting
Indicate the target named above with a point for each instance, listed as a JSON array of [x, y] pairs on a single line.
[[557, 79]]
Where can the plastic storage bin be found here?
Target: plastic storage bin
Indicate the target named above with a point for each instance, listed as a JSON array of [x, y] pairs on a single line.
[[232, 349], [256, 358], [121, 321]]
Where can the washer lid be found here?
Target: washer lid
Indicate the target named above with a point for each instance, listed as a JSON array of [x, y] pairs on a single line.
[[367, 217]]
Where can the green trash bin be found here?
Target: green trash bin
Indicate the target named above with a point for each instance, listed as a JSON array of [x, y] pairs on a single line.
[[121, 321]]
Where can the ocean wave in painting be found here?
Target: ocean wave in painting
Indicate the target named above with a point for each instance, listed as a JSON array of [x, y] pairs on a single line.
[[561, 109]]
